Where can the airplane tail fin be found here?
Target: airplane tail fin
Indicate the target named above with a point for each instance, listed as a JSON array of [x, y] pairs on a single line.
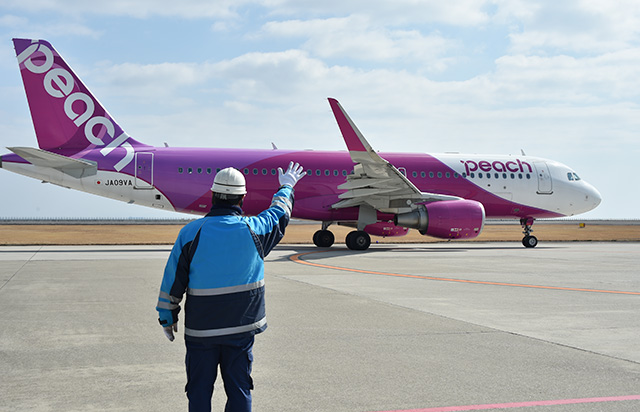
[[66, 115]]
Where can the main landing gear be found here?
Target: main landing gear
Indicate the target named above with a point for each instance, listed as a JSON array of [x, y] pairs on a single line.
[[528, 241], [358, 240], [323, 238], [355, 240]]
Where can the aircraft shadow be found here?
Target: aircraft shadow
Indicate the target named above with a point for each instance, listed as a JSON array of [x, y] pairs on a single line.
[[315, 253]]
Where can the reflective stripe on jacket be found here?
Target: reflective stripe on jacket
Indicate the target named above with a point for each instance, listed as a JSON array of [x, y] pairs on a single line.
[[219, 262]]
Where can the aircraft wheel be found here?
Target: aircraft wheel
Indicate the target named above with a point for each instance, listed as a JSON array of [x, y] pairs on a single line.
[[358, 240], [530, 241], [323, 238]]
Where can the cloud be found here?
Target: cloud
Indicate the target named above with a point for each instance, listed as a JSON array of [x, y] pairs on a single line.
[[355, 37], [571, 80], [190, 9], [150, 82], [528, 101], [270, 76], [576, 26], [517, 81], [23, 27], [460, 13], [11, 21]]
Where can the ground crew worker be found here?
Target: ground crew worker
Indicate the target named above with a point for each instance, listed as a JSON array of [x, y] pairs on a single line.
[[219, 262]]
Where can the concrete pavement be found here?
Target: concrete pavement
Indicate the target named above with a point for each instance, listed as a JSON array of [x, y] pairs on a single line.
[[475, 324]]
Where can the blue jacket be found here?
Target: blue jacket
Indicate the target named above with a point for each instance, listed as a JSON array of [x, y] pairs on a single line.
[[218, 261]]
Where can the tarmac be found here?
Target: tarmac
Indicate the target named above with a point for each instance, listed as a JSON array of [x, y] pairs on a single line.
[[420, 328]]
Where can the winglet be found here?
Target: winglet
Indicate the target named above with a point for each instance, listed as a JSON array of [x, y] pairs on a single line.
[[352, 137]]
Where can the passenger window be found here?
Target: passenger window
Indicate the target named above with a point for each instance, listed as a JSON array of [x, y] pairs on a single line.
[[180, 170]]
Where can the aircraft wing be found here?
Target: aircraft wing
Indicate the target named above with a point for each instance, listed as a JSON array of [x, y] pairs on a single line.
[[73, 167], [374, 181]]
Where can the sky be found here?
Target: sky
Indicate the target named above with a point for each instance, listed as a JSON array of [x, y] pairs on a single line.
[[559, 80]]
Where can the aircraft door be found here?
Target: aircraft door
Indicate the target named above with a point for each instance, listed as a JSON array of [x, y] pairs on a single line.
[[545, 185], [144, 170]]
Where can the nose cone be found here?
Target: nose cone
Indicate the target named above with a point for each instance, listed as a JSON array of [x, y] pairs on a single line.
[[591, 196]]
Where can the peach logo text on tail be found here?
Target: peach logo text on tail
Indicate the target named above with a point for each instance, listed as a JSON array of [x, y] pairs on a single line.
[[59, 83]]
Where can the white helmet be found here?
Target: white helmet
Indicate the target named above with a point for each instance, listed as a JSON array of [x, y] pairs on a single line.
[[229, 181]]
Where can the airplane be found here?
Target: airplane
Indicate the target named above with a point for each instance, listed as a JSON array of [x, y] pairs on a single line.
[[446, 196]]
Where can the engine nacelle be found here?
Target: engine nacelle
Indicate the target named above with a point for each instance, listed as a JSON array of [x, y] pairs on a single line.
[[449, 219]]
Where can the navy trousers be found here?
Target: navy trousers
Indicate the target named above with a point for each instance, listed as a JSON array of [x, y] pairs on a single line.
[[235, 358]]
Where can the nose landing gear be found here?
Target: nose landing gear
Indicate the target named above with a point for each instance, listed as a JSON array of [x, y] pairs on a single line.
[[528, 241]]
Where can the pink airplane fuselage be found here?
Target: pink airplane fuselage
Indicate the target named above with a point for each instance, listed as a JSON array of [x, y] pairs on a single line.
[[184, 176]]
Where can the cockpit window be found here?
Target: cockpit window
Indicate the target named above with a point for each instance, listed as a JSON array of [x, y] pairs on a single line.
[[572, 176]]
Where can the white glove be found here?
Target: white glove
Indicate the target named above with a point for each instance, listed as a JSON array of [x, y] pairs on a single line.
[[292, 175], [168, 331]]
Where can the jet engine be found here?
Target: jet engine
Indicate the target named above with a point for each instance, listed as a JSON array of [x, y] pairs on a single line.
[[449, 219]]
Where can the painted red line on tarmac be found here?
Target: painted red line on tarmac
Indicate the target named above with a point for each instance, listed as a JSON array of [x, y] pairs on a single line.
[[523, 404], [298, 259]]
